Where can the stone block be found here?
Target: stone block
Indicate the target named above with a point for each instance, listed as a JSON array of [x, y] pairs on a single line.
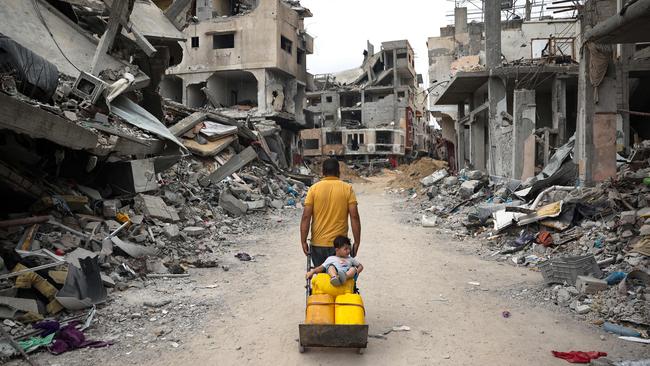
[[434, 178], [110, 208], [475, 175], [645, 230], [450, 181], [194, 230], [590, 285], [171, 231], [155, 207], [469, 187], [644, 212], [256, 205], [583, 309]]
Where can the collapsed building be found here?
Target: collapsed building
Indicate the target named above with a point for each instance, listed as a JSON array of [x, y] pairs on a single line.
[[247, 60], [508, 92], [373, 110]]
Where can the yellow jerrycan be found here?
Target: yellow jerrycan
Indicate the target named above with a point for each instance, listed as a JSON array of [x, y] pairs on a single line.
[[320, 309], [349, 309], [320, 284]]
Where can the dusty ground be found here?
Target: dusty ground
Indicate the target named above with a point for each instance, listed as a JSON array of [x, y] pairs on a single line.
[[414, 277]]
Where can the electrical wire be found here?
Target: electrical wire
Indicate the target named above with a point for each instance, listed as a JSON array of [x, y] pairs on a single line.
[[40, 16]]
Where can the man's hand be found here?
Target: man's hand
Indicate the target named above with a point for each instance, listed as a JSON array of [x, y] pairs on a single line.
[[309, 274], [305, 248]]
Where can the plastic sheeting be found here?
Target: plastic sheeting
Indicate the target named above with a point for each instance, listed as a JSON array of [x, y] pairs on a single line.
[[36, 77]]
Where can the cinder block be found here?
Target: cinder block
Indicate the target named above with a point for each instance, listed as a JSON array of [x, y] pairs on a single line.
[[590, 285]]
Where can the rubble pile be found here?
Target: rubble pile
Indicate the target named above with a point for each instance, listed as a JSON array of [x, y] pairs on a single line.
[[591, 245], [408, 176]]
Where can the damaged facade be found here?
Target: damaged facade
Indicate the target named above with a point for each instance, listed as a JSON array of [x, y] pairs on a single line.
[[246, 59], [86, 145], [374, 110], [512, 91]]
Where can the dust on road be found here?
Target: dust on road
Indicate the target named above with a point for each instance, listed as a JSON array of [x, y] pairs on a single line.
[[413, 277]]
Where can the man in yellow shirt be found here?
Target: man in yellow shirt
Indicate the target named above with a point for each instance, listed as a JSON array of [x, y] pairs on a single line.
[[327, 207]]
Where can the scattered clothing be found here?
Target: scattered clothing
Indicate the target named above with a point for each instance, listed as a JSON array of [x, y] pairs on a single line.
[[579, 356], [64, 338]]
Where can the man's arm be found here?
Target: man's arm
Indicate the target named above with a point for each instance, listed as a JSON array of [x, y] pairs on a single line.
[[304, 227], [355, 222]]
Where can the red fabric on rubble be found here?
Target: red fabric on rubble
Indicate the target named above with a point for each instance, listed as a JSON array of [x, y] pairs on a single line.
[[579, 356]]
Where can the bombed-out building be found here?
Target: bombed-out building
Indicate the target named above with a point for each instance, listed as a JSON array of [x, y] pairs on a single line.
[[246, 59], [373, 110]]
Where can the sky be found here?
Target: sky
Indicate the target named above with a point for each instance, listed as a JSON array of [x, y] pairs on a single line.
[[341, 28]]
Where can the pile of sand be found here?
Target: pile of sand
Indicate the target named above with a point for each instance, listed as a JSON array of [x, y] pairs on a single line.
[[412, 173], [347, 173]]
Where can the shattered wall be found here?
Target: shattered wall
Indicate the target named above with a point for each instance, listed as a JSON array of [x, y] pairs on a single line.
[[378, 113], [516, 42]]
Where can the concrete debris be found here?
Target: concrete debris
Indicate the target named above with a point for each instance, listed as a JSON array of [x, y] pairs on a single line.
[[434, 178], [232, 204], [588, 234], [155, 207]]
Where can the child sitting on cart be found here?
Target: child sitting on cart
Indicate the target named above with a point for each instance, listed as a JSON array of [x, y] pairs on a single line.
[[341, 266]]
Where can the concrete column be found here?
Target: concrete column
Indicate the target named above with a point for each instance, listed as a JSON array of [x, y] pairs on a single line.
[[460, 20], [523, 127], [558, 108], [492, 15], [596, 122], [460, 138], [477, 145]]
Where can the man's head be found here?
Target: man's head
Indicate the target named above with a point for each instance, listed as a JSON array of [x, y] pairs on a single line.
[[342, 246], [331, 168]]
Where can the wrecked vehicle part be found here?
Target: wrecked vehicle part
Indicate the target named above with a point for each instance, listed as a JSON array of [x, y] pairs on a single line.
[[38, 77]]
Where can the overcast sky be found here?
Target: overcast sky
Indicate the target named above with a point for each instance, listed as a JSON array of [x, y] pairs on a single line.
[[342, 27]]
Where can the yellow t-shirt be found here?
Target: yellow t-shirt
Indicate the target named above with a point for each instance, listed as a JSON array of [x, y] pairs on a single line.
[[330, 199]]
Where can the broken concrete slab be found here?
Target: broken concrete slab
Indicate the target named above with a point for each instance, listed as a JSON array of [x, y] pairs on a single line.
[[256, 205], [231, 166], [155, 207], [232, 204], [211, 148], [469, 187], [434, 178], [450, 181], [20, 304], [590, 285], [172, 231], [134, 250], [194, 230]]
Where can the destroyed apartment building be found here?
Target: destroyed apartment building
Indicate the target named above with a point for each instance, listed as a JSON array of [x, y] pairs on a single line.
[[508, 91], [102, 180], [246, 60], [373, 110]]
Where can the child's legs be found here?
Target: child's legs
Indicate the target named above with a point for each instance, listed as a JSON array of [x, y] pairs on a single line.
[[331, 270], [351, 272]]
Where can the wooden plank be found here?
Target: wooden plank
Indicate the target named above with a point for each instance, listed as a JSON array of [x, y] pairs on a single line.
[[24, 118], [233, 165], [187, 123], [209, 149], [330, 335]]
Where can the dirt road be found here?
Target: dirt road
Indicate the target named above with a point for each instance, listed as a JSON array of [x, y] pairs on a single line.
[[412, 278]]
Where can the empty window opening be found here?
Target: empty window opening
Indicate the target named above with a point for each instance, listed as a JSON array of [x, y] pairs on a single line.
[[300, 57], [334, 138], [401, 55], [401, 94], [221, 41], [311, 144], [314, 101], [329, 117], [195, 42], [234, 100], [384, 137], [350, 100], [286, 44], [328, 99]]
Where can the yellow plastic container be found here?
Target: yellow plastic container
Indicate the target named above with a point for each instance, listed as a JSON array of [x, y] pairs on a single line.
[[320, 284], [320, 309], [349, 309]]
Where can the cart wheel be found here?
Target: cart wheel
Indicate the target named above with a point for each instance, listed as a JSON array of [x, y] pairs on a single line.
[[360, 351], [302, 349]]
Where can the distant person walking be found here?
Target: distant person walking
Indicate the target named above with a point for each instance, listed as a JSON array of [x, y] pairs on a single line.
[[327, 207]]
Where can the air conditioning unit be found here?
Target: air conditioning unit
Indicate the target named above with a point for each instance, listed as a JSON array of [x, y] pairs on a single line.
[[370, 148], [397, 148]]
